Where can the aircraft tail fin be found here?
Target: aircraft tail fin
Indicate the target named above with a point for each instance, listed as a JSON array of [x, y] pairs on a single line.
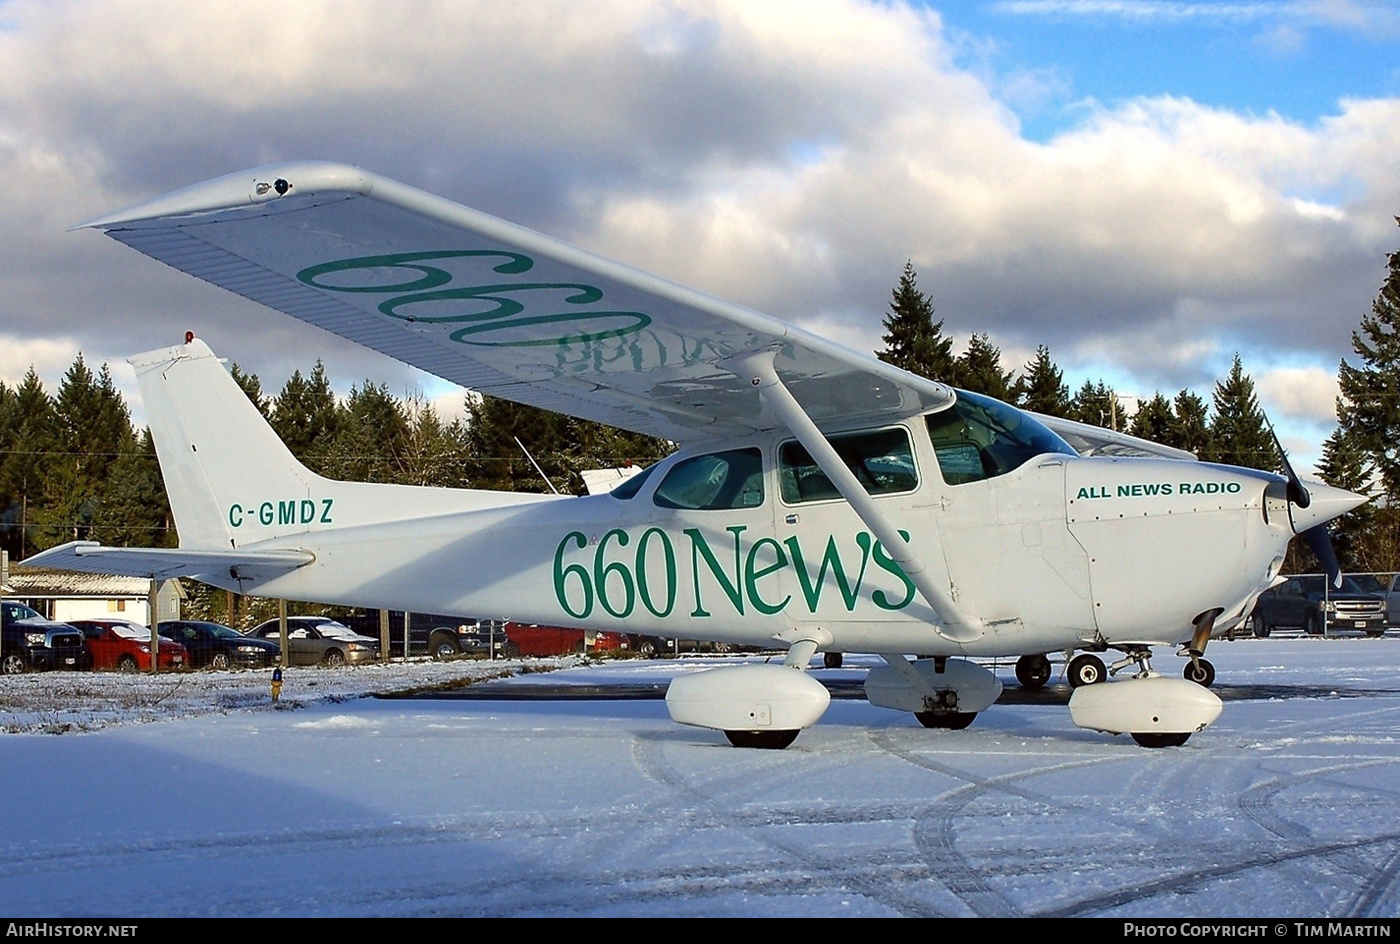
[[224, 467], [233, 483]]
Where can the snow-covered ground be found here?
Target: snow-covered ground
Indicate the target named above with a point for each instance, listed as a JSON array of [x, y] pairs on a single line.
[[337, 805]]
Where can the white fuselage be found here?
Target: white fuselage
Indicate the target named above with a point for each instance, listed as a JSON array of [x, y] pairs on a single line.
[[1059, 553]]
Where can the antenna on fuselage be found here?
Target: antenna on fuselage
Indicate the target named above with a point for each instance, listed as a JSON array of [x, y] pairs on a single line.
[[535, 464]]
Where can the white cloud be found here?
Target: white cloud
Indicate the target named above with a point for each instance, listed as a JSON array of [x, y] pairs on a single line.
[[49, 357], [790, 156], [1300, 393]]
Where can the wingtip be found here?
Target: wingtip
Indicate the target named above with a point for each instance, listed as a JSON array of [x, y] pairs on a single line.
[[238, 190]]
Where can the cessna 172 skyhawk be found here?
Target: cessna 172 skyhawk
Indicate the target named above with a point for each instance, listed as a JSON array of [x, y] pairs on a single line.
[[820, 499]]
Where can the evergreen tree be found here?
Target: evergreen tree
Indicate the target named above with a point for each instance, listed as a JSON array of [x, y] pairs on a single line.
[[304, 415], [253, 387], [979, 369], [1346, 464], [562, 445], [31, 437], [1041, 389], [92, 426], [1238, 433], [435, 453], [134, 510], [1369, 405], [1190, 427], [494, 424], [913, 340], [370, 440], [1094, 404], [1153, 420]]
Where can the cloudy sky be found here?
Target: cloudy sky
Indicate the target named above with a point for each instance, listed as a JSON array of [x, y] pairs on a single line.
[[1146, 187]]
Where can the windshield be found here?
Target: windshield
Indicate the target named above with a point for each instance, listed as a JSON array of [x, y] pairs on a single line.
[[1318, 584], [979, 438], [1367, 583]]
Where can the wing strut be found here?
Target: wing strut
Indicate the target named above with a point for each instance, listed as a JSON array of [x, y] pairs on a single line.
[[757, 368]]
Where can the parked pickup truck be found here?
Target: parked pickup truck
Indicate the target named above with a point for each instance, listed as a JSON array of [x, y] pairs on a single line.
[[1387, 586], [31, 643], [437, 635], [1307, 603]]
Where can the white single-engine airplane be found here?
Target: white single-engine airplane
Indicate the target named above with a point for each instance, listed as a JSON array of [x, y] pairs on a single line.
[[821, 500]]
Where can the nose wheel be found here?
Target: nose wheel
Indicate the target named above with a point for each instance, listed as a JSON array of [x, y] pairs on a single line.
[[1085, 669], [1199, 671]]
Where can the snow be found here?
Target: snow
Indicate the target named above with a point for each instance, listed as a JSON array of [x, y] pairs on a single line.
[[191, 795]]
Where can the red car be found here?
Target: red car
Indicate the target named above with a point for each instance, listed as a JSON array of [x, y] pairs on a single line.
[[126, 646], [532, 639]]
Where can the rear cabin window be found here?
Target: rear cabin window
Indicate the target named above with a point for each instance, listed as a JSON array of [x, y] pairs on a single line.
[[630, 487], [881, 461], [719, 480], [980, 438]]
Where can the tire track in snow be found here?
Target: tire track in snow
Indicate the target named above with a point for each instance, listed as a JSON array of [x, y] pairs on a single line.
[[867, 876], [1185, 882], [935, 829]]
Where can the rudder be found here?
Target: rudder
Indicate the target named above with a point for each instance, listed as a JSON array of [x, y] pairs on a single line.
[[219, 457]]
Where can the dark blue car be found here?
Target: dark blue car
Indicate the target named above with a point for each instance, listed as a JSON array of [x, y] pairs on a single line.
[[219, 647]]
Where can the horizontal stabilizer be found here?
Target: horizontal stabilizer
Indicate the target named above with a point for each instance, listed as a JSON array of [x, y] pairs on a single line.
[[159, 563]]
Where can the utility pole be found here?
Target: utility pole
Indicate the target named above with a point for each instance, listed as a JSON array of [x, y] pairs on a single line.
[[5, 580], [153, 607]]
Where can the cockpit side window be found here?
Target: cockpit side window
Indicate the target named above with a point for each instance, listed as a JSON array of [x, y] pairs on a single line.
[[716, 481], [882, 461], [980, 438]]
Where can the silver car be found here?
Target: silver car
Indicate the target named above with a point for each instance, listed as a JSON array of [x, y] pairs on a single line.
[[320, 640]]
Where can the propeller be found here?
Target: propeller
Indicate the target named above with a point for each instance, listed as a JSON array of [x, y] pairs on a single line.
[[1318, 538]]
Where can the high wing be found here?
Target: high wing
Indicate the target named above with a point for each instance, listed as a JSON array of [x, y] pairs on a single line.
[[501, 309]]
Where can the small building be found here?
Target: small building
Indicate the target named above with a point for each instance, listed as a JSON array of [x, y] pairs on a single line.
[[64, 596]]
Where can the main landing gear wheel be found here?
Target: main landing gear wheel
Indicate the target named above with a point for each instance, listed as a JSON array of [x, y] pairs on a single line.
[[1085, 669], [1201, 672], [764, 740], [948, 720], [1033, 671], [1161, 740], [832, 660]]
